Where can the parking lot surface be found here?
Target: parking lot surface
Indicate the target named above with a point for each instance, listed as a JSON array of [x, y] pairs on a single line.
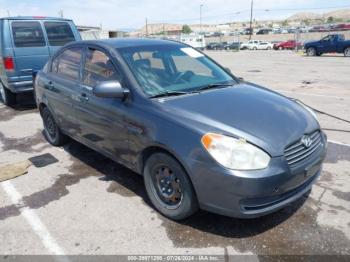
[[75, 201]]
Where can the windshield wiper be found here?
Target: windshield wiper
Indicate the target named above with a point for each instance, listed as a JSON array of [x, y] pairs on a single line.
[[213, 86], [169, 93]]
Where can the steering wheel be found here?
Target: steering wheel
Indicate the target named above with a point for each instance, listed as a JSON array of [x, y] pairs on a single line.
[[183, 75]]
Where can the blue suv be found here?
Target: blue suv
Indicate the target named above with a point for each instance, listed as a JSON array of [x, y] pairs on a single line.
[[26, 44]]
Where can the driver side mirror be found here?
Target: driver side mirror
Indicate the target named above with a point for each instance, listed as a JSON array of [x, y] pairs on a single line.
[[110, 89]]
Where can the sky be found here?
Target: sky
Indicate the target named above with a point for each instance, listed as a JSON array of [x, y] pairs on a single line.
[[131, 14]]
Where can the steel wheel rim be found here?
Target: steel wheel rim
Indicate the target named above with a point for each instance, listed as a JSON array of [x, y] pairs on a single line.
[[347, 52], [50, 126], [311, 52], [166, 187]]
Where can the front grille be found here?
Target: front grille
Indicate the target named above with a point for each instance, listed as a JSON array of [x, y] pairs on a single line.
[[298, 151]]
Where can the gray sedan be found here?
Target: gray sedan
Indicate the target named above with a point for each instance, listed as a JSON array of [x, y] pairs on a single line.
[[199, 136]]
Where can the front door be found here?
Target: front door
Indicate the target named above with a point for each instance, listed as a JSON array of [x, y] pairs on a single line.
[[101, 120]]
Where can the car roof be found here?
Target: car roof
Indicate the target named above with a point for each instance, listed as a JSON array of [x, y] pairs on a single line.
[[34, 18], [129, 42]]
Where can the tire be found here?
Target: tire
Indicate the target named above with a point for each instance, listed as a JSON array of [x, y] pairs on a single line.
[[168, 187], [347, 52], [51, 130], [268, 48], [311, 51], [255, 48], [8, 98]]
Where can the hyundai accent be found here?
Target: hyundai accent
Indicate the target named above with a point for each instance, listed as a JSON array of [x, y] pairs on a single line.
[[199, 136]]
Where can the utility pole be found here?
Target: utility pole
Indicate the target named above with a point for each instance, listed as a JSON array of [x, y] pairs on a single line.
[[200, 18], [60, 13], [8, 13], [251, 20], [146, 27]]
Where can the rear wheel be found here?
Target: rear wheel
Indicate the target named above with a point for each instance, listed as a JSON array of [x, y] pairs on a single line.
[[347, 52], [8, 98], [168, 187], [51, 131], [311, 51]]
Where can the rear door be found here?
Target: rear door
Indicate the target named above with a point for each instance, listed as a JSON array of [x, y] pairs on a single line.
[[58, 34], [29, 47], [63, 86]]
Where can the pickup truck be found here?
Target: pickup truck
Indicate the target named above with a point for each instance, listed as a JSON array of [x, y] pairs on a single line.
[[334, 43]]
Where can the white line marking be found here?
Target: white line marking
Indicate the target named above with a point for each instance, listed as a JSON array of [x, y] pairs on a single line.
[[338, 143], [34, 221], [306, 94]]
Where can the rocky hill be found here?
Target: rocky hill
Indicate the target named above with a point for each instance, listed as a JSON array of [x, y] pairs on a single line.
[[343, 14]]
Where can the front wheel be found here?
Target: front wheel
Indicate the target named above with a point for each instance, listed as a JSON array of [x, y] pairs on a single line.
[[168, 187], [51, 130], [8, 98], [311, 51], [347, 52]]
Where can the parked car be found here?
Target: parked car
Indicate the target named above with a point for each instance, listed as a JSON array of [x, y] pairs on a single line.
[[334, 43], [263, 46], [232, 46], [319, 29], [251, 45], [247, 31], [26, 45], [200, 136], [264, 31], [290, 44], [215, 46], [340, 27]]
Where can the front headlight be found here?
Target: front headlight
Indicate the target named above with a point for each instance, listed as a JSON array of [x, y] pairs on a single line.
[[235, 153]]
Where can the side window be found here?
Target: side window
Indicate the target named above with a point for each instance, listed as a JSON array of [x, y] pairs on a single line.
[[98, 67], [27, 34], [67, 64], [58, 33]]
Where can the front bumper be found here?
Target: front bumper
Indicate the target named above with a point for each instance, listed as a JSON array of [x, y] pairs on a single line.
[[249, 194]]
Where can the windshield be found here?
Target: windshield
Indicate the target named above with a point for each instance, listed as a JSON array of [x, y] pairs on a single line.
[[168, 68]]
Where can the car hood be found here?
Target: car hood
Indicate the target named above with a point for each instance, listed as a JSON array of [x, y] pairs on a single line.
[[262, 117]]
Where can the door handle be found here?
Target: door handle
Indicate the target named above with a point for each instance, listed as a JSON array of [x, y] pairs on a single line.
[[50, 85], [84, 97]]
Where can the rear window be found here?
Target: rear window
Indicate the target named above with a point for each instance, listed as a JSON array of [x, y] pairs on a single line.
[[27, 34], [58, 33]]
